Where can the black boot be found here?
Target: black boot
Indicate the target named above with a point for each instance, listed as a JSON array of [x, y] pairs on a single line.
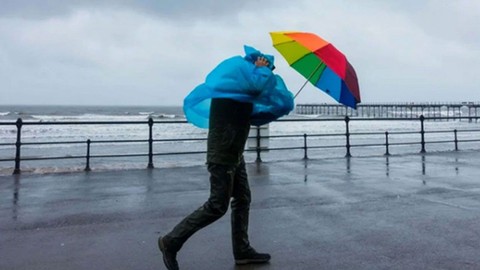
[[169, 257], [252, 256]]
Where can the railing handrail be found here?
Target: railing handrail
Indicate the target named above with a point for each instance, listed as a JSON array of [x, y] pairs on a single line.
[[286, 119], [347, 134]]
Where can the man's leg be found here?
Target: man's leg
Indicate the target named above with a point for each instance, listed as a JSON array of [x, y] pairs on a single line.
[[221, 185], [242, 251], [240, 210]]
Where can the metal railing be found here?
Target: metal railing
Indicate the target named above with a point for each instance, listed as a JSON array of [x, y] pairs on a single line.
[[258, 149]]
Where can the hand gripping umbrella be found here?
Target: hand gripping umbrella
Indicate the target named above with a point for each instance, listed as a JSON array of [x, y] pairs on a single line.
[[320, 63]]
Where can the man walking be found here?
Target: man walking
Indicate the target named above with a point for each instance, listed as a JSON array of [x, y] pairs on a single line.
[[229, 125]]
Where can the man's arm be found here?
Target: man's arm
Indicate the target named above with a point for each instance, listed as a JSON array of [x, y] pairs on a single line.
[[261, 76]]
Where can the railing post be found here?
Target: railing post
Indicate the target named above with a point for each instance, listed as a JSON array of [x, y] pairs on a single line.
[[150, 143], [87, 166], [259, 159], [305, 156], [347, 136], [422, 133], [18, 144], [456, 139], [387, 153]]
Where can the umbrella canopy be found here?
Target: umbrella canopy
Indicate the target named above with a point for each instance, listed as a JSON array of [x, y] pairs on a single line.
[[320, 63]]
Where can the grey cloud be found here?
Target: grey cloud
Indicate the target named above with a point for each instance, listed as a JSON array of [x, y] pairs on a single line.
[[168, 9], [144, 52]]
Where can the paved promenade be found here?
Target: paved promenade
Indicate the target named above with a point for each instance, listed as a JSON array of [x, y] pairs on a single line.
[[402, 212]]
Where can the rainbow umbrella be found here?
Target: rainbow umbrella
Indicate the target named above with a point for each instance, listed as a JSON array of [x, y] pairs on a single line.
[[321, 63]]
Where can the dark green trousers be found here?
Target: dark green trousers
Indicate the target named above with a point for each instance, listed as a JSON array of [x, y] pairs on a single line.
[[226, 182]]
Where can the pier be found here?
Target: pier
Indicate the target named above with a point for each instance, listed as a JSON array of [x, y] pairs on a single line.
[[394, 110]]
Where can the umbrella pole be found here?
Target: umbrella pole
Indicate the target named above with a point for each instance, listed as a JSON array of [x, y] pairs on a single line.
[[308, 79]]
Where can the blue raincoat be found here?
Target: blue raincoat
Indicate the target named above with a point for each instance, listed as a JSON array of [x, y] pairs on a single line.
[[239, 79]]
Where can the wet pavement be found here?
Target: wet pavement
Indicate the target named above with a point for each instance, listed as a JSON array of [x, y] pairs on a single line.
[[398, 212]]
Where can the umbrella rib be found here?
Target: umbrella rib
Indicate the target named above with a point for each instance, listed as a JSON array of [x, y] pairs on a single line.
[[308, 79]]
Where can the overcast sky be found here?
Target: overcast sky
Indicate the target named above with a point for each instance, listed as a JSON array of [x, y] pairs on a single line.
[[154, 52]]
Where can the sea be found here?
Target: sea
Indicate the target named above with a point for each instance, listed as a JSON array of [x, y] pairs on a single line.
[[48, 146]]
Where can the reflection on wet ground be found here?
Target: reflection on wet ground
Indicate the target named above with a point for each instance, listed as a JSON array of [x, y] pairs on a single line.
[[404, 212]]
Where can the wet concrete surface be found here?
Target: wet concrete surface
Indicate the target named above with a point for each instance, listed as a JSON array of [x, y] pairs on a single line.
[[398, 212]]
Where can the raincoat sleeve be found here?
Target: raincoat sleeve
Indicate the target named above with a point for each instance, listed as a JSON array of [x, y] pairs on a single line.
[[259, 79], [272, 104]]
